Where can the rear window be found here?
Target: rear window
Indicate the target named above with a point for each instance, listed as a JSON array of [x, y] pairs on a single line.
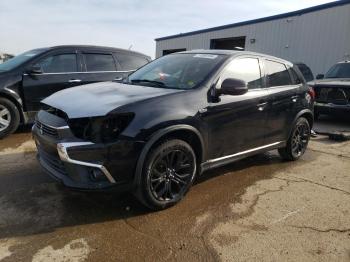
[[130, 62], [99, 62], [277, 74]]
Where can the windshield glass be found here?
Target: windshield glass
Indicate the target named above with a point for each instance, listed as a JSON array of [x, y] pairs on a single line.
[[177, 71], [19, 59], [339, 71]]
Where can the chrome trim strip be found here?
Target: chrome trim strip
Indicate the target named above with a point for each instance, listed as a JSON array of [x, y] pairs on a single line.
[[243, 152], [61, 127], [91, 72], [63, 154], [54, 127]]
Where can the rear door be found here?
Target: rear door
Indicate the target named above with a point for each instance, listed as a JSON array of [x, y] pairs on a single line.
[[283, 96], [238, 123], [99, 67], [60, 70]]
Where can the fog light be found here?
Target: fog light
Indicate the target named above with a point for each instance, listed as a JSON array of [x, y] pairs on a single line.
[[97, 175]]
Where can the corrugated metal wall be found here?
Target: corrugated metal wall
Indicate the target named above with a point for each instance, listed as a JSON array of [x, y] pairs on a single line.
[[319, 39]]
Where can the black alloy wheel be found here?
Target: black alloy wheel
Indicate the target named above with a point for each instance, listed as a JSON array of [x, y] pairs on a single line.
[[169, 173], [298, 141]]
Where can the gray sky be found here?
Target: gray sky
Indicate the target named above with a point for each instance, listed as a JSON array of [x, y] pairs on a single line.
[[28, 24]]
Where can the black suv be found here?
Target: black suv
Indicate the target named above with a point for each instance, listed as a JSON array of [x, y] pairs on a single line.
[[333, 90], [172, 119], [30, 77]]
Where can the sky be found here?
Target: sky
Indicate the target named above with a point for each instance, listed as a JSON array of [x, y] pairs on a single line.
[[28, 24]]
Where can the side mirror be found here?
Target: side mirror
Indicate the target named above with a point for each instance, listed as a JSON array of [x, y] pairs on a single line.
[[34, 70], [320, 76], [233, 87]]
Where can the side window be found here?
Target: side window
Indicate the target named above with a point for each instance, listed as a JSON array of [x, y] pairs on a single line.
[[99, 62], [130, 62], [59, 63], [246, 69], [277, 74]]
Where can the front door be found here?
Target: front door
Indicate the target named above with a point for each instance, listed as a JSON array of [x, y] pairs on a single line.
[[58, 71], [238, 123]]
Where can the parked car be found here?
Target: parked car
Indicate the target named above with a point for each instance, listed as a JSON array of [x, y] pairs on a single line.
[[30, 77], [306, 71], [333, 90], [171, 120]]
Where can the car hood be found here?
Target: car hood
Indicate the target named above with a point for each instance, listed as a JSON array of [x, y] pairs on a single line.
[[331, 82], [100, 98]]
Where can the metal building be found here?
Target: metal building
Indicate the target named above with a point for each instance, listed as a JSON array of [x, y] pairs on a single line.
[[319, 36]]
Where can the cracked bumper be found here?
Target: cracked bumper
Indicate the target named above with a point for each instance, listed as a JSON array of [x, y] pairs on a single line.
[[84, 165]]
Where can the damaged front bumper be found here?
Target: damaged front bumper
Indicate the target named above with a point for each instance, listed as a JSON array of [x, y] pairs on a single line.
[[81, 164]]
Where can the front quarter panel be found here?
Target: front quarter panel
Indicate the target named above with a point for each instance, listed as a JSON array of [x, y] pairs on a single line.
[[10, 86], [161, 112]]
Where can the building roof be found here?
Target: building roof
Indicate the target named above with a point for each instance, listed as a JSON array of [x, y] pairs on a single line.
[[259, 20]]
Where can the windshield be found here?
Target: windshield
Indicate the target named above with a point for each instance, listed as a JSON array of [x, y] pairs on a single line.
[[176, 71], [18, 60], [339, 71]]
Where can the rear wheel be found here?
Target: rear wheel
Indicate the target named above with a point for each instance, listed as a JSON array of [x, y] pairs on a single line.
[[298, 141], [169, 171], [9, 117]]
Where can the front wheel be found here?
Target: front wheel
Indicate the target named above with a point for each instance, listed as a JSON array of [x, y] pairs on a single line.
[[298, 141], [9, 117], [168, 173]]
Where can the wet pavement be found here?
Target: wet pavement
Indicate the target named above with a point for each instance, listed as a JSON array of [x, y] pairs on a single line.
[[257, 209]]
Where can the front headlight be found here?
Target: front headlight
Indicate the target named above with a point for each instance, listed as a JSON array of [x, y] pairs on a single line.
[[100, 129]]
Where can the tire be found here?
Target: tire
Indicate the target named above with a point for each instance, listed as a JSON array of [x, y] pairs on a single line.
[[168, 173], [9, 117], [297, 142]]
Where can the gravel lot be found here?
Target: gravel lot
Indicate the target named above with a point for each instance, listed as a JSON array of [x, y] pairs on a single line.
[[257, 209]]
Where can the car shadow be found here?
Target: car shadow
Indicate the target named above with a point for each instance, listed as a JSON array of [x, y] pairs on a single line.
[[38, 205]]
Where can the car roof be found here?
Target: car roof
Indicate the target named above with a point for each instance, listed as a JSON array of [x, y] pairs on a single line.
[[115, 49], [233, 53]]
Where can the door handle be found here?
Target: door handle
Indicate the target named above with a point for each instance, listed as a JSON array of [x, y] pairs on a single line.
[[262, 106], [294, 99], [118, 79], [74, 81]]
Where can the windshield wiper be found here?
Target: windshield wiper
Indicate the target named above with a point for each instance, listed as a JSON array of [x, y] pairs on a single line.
[[157, 83]]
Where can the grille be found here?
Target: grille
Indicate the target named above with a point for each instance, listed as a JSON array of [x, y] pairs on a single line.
[[46, 130], [333, 95], [52, 160]]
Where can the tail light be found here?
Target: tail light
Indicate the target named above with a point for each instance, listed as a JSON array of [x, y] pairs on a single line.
[[312, 92]]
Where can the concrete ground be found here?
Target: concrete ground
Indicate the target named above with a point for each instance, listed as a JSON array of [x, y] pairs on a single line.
[[257, 209]]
